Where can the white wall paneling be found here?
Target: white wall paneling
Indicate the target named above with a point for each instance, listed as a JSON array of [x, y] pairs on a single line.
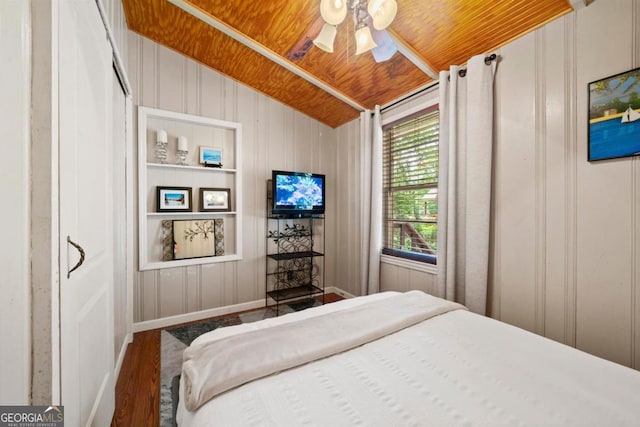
[[348, 192], [565, 231], [604, 200], [274, 137], [15, 324], [45, 386], [635, 213]]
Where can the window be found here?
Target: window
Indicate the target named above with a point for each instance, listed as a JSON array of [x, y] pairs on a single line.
[[410, 185]]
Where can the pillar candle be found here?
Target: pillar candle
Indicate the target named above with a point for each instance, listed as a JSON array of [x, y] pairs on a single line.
[[183, 144], [161, 135]]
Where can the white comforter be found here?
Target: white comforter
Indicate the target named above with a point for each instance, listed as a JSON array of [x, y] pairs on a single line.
[[454, 369]]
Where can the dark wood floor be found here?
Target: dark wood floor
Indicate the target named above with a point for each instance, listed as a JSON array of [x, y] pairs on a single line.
[[138, 386]]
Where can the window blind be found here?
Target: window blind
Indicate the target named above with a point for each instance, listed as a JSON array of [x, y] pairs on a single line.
[[410, 183]]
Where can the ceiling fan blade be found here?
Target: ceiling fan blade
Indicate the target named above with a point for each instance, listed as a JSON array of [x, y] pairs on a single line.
[[386, 46], [302, 46]]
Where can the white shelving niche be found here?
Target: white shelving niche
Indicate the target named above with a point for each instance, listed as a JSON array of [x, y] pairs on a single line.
[[199, 131]]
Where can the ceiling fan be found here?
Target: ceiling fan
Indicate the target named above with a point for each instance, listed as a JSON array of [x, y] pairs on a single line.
[[370, 17]]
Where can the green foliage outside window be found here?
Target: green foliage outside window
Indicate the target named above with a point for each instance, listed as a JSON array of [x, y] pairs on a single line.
[[411, 180]]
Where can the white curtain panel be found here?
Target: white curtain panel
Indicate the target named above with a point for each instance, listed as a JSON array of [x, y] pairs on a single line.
[[464, 189], [371, 179]]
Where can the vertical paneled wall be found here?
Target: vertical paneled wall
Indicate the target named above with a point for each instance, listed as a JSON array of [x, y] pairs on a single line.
[[274, 137], [15, 318], [349, 204], [566, 233]]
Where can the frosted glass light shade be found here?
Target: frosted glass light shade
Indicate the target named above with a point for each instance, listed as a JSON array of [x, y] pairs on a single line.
[[333, 11], [326, 38], [382, 12], [364, 41]]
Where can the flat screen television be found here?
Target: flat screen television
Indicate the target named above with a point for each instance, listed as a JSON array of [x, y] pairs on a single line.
[[297, 193]]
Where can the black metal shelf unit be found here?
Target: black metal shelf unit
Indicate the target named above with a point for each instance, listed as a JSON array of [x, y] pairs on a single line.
[[295, 261]]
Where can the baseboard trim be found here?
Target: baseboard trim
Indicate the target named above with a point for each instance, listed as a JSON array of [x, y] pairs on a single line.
[[196, 315], [213, 312], [335, 290], [128, 339]]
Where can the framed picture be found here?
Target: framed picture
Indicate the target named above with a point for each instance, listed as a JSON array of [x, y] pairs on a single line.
[[173, 199], [193, 238], [215, 199], [614, 116], [211, 156]]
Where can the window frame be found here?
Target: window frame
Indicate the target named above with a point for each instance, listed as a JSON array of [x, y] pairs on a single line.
[[410, 259]]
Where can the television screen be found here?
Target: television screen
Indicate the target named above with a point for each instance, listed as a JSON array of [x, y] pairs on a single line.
[[297, 193]]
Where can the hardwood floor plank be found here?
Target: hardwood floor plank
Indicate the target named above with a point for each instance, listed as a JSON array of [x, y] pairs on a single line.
[[138, 386]]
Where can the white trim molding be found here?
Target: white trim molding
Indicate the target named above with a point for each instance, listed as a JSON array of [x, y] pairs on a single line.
[[412, 265], [214, 312]]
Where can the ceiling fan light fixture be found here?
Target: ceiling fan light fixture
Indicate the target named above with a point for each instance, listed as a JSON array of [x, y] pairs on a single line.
[[364, 40], [382, 12], [333, 11], [367, 14], [326, 37]]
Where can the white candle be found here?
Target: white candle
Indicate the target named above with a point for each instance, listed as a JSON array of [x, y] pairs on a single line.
[[161, 135], [183, 145]]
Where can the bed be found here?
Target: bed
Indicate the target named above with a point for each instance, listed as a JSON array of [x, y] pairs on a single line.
[[380, 360]]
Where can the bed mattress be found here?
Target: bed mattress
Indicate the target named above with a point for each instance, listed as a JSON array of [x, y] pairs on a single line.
[[454, 369]]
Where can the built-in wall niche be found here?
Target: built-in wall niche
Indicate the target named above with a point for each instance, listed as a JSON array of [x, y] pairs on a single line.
[[178, 155]]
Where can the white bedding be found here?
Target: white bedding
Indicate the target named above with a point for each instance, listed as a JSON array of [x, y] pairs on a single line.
[[454, 369], [211, 368]]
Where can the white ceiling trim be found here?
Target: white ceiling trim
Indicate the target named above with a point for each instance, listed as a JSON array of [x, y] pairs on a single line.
[[264, 51], [409, 53]]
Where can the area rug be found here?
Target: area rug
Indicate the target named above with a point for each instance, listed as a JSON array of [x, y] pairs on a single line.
[[174, 341]]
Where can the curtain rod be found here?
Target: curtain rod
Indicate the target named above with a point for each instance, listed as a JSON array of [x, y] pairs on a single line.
[[487, 60], [409, 97], [462, 72]]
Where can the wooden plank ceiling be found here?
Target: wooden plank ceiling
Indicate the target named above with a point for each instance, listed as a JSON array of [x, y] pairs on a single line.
[[439, 33]]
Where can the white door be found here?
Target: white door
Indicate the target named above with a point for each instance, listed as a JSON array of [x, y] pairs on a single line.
[[86, 224]]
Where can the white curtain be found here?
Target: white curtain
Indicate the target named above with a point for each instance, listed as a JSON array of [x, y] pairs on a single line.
[[371, 179], [464, 189]]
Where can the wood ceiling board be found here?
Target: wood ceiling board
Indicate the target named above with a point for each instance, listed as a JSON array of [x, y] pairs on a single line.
[[361, 78], [440, 32], [451, 31], [278, 25], [178, 30]]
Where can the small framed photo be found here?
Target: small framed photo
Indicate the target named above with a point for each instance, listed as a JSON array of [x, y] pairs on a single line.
[[614, 116], [215, 199], [173, 199], [211, 156]]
